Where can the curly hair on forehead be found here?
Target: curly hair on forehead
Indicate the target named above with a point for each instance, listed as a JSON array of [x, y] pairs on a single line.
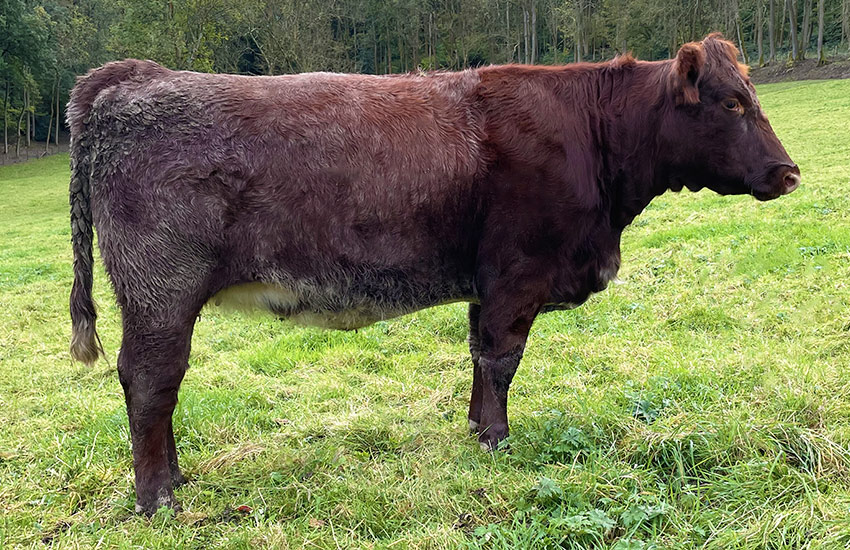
[[718, 48], [714, 55]]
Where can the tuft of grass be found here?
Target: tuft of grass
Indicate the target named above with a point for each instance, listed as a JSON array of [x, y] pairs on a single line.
[[702, 403]]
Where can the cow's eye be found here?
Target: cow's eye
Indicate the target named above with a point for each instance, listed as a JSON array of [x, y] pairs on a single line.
[[732, 104]]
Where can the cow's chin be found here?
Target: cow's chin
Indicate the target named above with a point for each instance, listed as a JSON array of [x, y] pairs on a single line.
[[764, 192], [729, 186], [766, 195]]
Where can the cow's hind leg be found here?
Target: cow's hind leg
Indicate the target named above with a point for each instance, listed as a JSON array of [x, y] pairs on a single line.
[[475, 352], [177, 478], [153, 359]]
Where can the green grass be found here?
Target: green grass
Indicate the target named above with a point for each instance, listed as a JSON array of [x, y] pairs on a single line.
[[703, 403]]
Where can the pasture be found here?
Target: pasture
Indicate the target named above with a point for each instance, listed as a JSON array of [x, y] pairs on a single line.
[[704, 402]]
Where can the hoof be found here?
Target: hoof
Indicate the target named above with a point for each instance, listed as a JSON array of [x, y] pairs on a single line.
[[492, 447], [490, 437], [178, 479], [163, 498], [473, 426]]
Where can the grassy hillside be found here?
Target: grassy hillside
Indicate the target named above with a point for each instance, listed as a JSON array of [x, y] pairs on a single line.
[[702, 403]]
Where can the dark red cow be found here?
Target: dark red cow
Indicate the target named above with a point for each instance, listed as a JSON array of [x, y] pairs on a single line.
[[338, 200]]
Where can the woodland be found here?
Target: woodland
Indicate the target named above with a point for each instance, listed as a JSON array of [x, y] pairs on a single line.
[[45, 45]]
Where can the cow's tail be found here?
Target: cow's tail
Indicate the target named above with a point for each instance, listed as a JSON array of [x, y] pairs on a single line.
[[85, 343]]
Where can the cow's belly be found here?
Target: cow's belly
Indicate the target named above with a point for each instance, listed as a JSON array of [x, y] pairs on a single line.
[[332, 310]]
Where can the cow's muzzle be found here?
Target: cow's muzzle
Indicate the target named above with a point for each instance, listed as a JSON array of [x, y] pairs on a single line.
[[791, 180], [784, 179]]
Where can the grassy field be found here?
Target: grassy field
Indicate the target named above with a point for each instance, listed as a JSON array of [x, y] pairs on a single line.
[[702, 403]]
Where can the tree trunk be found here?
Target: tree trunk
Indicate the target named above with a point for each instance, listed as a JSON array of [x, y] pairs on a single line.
[[806, 34], [578, 33], [585, 29], [741, 40], [431, 40], [58, 118], [402, 60], [821, 56], [509, 54], [414, 43], [375, 68], [525, 34], [792, 24], [553, 31], [27, 108], [760, 32], [49, 127], [781, 39], [845, 21], [6, 120], [693, 29], [18, 131], [533, 32], [734, 17], [771, 31]]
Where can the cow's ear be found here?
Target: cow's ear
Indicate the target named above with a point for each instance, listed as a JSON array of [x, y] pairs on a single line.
[[687, 70]]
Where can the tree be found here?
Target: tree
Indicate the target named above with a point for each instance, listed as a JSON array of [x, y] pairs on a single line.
[[845, 22], [821, 57], [771, 31], [792, 24], [55, 40], [736, 16], [533, 32], [759, 32], [23, 28], [6, 119], [807, 28]]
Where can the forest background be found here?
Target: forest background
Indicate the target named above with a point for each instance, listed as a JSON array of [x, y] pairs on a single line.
[[45, 45]]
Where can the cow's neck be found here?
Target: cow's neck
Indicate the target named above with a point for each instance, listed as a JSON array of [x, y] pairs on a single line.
[[630, 122]]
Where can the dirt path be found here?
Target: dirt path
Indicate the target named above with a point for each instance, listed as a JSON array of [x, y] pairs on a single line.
[[807, 69]]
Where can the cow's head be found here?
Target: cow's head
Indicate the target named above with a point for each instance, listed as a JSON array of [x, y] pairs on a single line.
[[715, 134]]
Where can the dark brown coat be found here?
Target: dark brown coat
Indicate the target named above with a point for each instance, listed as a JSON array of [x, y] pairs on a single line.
[[339, 200]]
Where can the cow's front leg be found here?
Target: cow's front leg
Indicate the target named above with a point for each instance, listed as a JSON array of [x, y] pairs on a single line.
[[503, 331], [475, 351], [153, 359]]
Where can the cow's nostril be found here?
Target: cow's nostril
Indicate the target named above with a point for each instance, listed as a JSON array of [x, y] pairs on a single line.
[[792, 181]]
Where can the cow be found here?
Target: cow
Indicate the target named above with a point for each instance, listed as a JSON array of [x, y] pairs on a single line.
[[339, 200]]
